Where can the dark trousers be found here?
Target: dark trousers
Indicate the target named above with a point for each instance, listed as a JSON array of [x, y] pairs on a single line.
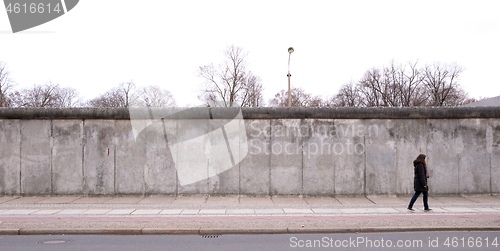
[[415, 196]]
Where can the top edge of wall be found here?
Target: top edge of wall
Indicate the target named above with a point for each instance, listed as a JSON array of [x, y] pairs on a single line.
[[252, 113]]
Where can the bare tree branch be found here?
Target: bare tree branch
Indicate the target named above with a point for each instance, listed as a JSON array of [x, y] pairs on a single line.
[[6, 85], [230, 83]]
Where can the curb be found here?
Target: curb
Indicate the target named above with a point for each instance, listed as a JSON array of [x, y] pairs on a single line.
[[243, 231]]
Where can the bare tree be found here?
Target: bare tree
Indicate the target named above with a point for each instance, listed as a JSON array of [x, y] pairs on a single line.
[[299, 98], [5, 85], [405, 85], [122, 96], [154, 96], [348, 96], [229, 83], [127, 89], [441, 81], [46, 95], [253, 94], [68, 97]]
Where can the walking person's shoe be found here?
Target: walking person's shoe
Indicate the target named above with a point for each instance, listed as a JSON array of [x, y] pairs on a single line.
[[411, 209], [428, 210]]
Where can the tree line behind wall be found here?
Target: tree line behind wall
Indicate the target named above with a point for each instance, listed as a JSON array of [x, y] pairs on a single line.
[[396, 85]]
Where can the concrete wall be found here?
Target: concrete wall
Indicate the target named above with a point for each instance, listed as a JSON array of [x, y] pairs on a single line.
[[55, 152]]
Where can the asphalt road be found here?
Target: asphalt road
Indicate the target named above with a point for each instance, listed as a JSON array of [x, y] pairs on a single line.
[[365, 241]]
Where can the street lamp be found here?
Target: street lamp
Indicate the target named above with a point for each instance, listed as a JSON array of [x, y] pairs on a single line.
[[290, 50]]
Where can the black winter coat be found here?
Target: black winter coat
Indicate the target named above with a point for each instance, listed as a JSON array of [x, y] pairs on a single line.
[[420, 179]]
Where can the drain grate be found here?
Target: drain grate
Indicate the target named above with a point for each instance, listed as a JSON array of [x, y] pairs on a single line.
[[209, 236]]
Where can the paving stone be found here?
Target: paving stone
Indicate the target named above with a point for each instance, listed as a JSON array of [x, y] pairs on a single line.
[[297, 211], [146, 211], [288, 200], [436, 210], [212, 211], [7, 198], [50, 212], [124, 200], [120, 211], [386, 210], [240, 211], [71, 211], [354, 200], [402, 210], [190, 211], [256, 200], [19, 211], [386, 200], [223, 200], [269, 211], [483, 198], [190, 200], [326, 210], [25, 200], [487, 210], [321, 201], [171, 211], [157, 200], [460, 210], [58, 200], [358, 210], [92, 200], [449, 200], [96, 211]]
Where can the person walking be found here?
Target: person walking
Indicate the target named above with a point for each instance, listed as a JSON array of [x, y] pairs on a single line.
[[420, 182]]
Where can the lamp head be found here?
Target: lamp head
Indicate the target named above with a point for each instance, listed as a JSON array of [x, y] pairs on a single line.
[[290, 50]]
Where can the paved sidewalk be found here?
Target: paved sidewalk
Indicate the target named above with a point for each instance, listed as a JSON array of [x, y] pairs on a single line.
[[241, 213]]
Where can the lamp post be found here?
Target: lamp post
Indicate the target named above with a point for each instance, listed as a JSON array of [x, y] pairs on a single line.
[[290, 50]]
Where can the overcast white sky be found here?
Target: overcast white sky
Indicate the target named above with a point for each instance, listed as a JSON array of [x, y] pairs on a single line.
[[101, 43]]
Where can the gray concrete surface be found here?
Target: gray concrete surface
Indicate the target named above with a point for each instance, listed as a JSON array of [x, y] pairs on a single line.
[[241, 214], [305, 154], [10, 156], [260, 113], [36, 152]]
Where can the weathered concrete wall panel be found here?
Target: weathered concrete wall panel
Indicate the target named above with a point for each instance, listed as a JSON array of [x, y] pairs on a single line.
[[190, 149], [99, 157], [36, 157], [474, 164], [130, 160], [349, 156], [227, 142], [493, 147], [310, 152], [381, 170], [287, 140], [67, 159], [160, 175], [411, 140], [255, 167], [443, 156], [319, 176], [10, 156]]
